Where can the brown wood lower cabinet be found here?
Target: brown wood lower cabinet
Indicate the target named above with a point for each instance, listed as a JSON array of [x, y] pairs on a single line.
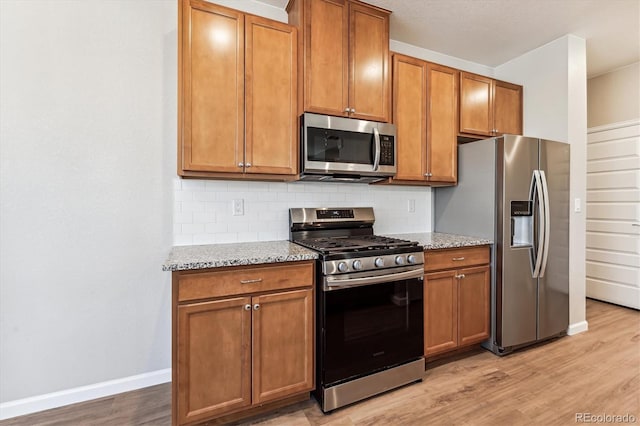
[[456, 299], [233, 354]]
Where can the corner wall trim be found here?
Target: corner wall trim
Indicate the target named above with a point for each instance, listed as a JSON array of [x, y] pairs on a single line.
[[47, 401], [579, 327]]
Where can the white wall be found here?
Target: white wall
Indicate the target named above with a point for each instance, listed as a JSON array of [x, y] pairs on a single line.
[[555, 107], [614, 97], [87, 140]]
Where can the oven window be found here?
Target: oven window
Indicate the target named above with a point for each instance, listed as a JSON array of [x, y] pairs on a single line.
[[370, 328], [339, 146]]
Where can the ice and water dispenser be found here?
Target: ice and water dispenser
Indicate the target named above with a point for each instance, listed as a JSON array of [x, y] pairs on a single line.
[[521, 223]]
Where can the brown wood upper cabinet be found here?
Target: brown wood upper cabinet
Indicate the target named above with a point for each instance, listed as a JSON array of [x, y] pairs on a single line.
[[425, 112], [344, 47], [243, 340], [238, 90], [489, 107]]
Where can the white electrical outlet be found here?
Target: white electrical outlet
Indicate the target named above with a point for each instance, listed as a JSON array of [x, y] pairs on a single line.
[[577, 206], [411, 206], [238, 207]]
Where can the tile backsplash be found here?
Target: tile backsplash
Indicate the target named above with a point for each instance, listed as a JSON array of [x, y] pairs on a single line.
[[203, 209]]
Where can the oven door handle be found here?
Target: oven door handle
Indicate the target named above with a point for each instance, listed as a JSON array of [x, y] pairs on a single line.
[[332, 283]]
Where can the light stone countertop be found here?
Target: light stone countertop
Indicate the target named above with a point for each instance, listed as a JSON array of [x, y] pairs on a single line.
[[182, 258], [439, 240]]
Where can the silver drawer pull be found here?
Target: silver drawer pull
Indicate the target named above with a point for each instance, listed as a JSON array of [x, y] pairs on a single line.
[[458, 258], [247, 307], [257, 280], [256, 307], [459, 276]]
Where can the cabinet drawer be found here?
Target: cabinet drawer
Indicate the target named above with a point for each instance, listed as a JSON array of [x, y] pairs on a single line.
[[244, 280], [435, 260]]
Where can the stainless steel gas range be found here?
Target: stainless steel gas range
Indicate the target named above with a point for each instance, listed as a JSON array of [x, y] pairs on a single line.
[[369, 304]]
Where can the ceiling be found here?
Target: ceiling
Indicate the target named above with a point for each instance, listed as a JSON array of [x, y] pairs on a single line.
[[492, 32]]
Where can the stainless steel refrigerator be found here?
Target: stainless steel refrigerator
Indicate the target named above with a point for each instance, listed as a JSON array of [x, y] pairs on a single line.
[[515, 190]]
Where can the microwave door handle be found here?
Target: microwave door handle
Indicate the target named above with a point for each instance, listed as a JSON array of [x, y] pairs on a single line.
[[376, 139]]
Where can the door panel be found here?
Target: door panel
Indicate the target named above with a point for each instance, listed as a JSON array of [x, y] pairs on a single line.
[[442, 119], [326, 57], [283, 343], [553, 287], [271, 96], [440, 312], [213, 347], [507, 108], [473, 305], [613, 215], [518, 288], [476, 104], [369, 63], [409, 112], [213, 78]]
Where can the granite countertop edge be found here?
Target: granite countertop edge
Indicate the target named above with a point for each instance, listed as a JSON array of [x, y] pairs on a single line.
[[188, 258], [185, 258]]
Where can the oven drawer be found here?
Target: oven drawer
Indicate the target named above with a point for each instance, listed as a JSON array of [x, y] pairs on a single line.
[[244, 280], [435, 260]]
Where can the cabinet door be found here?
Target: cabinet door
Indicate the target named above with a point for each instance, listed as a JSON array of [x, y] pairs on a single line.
[[473, 305], [476, 104], [213, 341], [369, 78], [440, 307], [442, 123], [283, 343], [212, 95], [271, 95], [508, 108], [409, 116], [326, 56]]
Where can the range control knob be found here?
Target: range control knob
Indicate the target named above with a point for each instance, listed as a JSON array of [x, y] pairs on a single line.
[[357, 265], [342, 267], [379, 262], [399, 260], [411, 259]]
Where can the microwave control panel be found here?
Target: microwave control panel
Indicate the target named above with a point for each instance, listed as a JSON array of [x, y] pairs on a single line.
[[387, 155]]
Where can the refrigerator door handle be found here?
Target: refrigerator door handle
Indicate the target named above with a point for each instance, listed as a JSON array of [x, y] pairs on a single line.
[[536, 189], [547, 223]]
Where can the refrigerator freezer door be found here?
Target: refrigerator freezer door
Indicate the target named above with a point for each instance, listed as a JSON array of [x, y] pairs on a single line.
[[553, 287], [517, 288]]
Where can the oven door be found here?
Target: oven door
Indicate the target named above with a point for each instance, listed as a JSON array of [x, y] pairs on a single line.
[[368, 327], [335, 145]]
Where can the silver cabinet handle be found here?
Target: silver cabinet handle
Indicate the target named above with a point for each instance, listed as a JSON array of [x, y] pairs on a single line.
[[248, 165], [428, 174], [256, 307], [247, 307], [635, 224], [458, 258], [460, 276], [347, 110], [257, 280], [240, 164], [353, 110]]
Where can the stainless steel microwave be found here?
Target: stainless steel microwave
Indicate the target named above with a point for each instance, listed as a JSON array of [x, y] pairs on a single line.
[[346, 149]]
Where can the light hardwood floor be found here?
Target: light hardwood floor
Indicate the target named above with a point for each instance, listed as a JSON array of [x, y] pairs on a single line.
[[596, 372]]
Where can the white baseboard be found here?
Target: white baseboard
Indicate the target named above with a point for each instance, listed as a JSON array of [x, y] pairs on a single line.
[[47, 401], [578, 327]]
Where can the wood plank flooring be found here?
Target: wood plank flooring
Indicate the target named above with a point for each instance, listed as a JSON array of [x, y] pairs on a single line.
[[596, 372]]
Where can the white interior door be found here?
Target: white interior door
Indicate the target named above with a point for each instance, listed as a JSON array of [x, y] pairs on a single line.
[[613, 214]]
